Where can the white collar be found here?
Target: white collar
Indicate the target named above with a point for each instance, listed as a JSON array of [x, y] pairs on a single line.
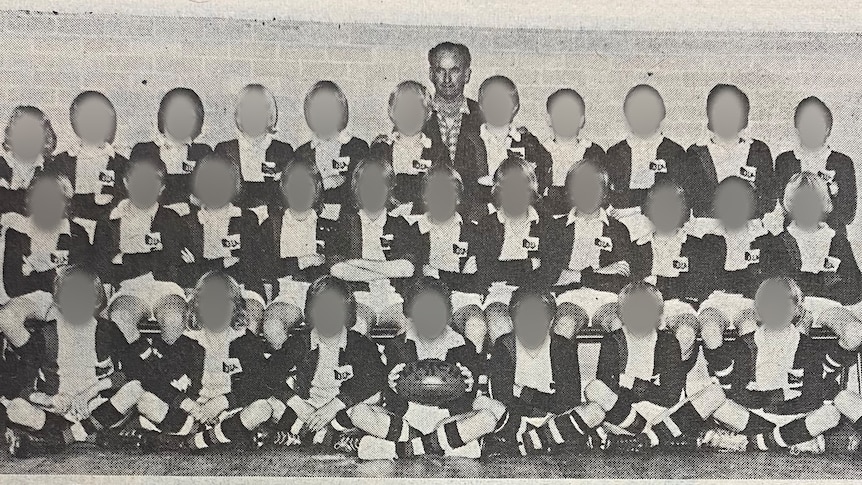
[[532, 215], [199, 335], [316, 339], [514, 133], [366, 221], [576, 143], [653, 140], [394, 136], [24, 224], [822, 230], [261, 142], [425, 225], [14, 162], [106, 148], [450, 338], [680, 236], [90, 325], [289, 218], [573, 216], [801, 153], [755, 229], [125, 207], [652, 337], [545, 347], [789, 332], [228, 212], [163, 140], [343, 138], [710, 137]]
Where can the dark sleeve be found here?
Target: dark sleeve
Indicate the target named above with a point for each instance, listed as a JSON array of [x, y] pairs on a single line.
[[14, 281], [812, 388], [767, 187], [253, 252], [640, 254], [542, 158], [469, 358], [171, 368], [844, 210], [357, 149], [131, 364], [846, 289], [501, 373], [31, 354], [171, 259], [80, 250], [248, 386], [281, 363], [102, 248], [608, 368], [120, 164], [671, 380], [694, 183], [721, 362], [368, 379], [406, 244]]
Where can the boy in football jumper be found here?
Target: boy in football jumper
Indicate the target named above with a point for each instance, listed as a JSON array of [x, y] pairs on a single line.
[[567, 117], [589, 252], [29, 144], [411, 152], [332, 149], [645, 157], [92, 164], [319, 377], [80, 373], [138, 248], [534, 373], [180, 121], [35, 246], [298, 245], [403, 429], [260, 156], [813, 121], [210, 388]]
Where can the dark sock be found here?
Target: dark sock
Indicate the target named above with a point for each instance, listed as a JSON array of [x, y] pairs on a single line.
[[453, 435], [103, 417], [794, 432], [622, 412], [342, 421], [174, 420], [431, 443], [566, 428], [857, 425], [684, 420], [757, 424], [57, 428], [396, 428]]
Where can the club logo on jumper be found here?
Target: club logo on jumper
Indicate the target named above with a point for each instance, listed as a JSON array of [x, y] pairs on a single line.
[[341, 164], [460, 248], [422, 165], [231, 242], [658, 166], [386, 241], [680, 264], [106, 178], [531, 243], [830, 264], [189, 166], [60, 257], [343, 373], [828, 176], [182, 384], [319, 245], [231, 366], [747, 172], [268, 168], [153, 240], [752, 256], [604, 243]]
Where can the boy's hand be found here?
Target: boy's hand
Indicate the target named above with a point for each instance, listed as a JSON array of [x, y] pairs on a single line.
[[192, 408], [80, 406], [620, 268], [211, 410], [712, 335], [60, 403], [323, 416], [394, 375], [430, 271], [468, 376], [310, 260], [187, 256]]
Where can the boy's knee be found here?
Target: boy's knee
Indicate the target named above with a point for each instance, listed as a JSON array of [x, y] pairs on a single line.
[[570, 320], [257, 412], [744, 321], [598, 392], [591, 413], [607, 317], [825, 417], [712, 394], [132, 390], [151, 407], [360, 413], [847, 401], [493, 406], [20, 411]]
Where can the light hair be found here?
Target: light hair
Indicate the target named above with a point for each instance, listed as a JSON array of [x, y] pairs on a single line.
[[514, 164], [333, 89], [48, 134], [806, 179], [636, 287], [271, 102], [793, 291], [239, 318], [413, 87]]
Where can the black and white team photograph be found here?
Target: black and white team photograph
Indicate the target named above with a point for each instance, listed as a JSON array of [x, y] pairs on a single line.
[[368, 242]]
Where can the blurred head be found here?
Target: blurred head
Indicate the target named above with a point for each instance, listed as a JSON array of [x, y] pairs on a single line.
[[806, 199], [181, 114], [449, 69], [429, 307], [48, 200], [216, 304], [778, 303], [566, 112], [216, 180], [329, 306], [644, 110], [301, 186], [587, 186], [256, 112], [409, 107], [93, 118], [326, 109], [371, 184], [499, 100], [727, 110], [734, 202], [533, 313], [515, 186], [641, 307], [666, 206], [78, 294], [813, 121], [29, 134], [442, 190], [145, 180]]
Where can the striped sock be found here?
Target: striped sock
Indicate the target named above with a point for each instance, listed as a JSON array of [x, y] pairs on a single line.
[[684, 420], [785, 436], [103, 417], [566, 428], [623, 415], [231, 429], [400, 430]]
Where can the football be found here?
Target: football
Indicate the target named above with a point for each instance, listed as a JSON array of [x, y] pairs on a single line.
[[430, 382]]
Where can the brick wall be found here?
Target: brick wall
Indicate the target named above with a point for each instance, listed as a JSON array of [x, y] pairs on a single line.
[[49, 58]]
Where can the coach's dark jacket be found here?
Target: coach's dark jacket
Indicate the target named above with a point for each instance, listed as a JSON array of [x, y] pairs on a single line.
[[470, 123], [177, 186], [618, 161], [842, 185], [297, 358], [564, 370], [254, 194], [84, 205]]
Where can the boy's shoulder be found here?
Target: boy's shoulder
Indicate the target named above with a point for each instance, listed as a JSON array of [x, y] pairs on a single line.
[[669, 145]]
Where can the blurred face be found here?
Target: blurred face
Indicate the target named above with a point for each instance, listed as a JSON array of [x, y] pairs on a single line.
[[325, 114], [441, 197], [640, 313], [253, 114], [666, 210], [328, 313], [566, 117], [78, 299], [807, 208], [532, 322], [214, 184], [498, 104], [27, 138], [774, 307], [298, 190], [644, 113], [449, 73], [515, 193], [409, 113], [430, 314], [144, 185], [215, 306], [585, 190], [46, 204], [373, 189], [812, 127], [727, 115], [94, 121], [181, 119], [734, 205]]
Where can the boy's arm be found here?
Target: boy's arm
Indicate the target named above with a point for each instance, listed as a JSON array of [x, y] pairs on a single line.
[[248, 386], [369, 379], [669, 389], [278, 368]]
